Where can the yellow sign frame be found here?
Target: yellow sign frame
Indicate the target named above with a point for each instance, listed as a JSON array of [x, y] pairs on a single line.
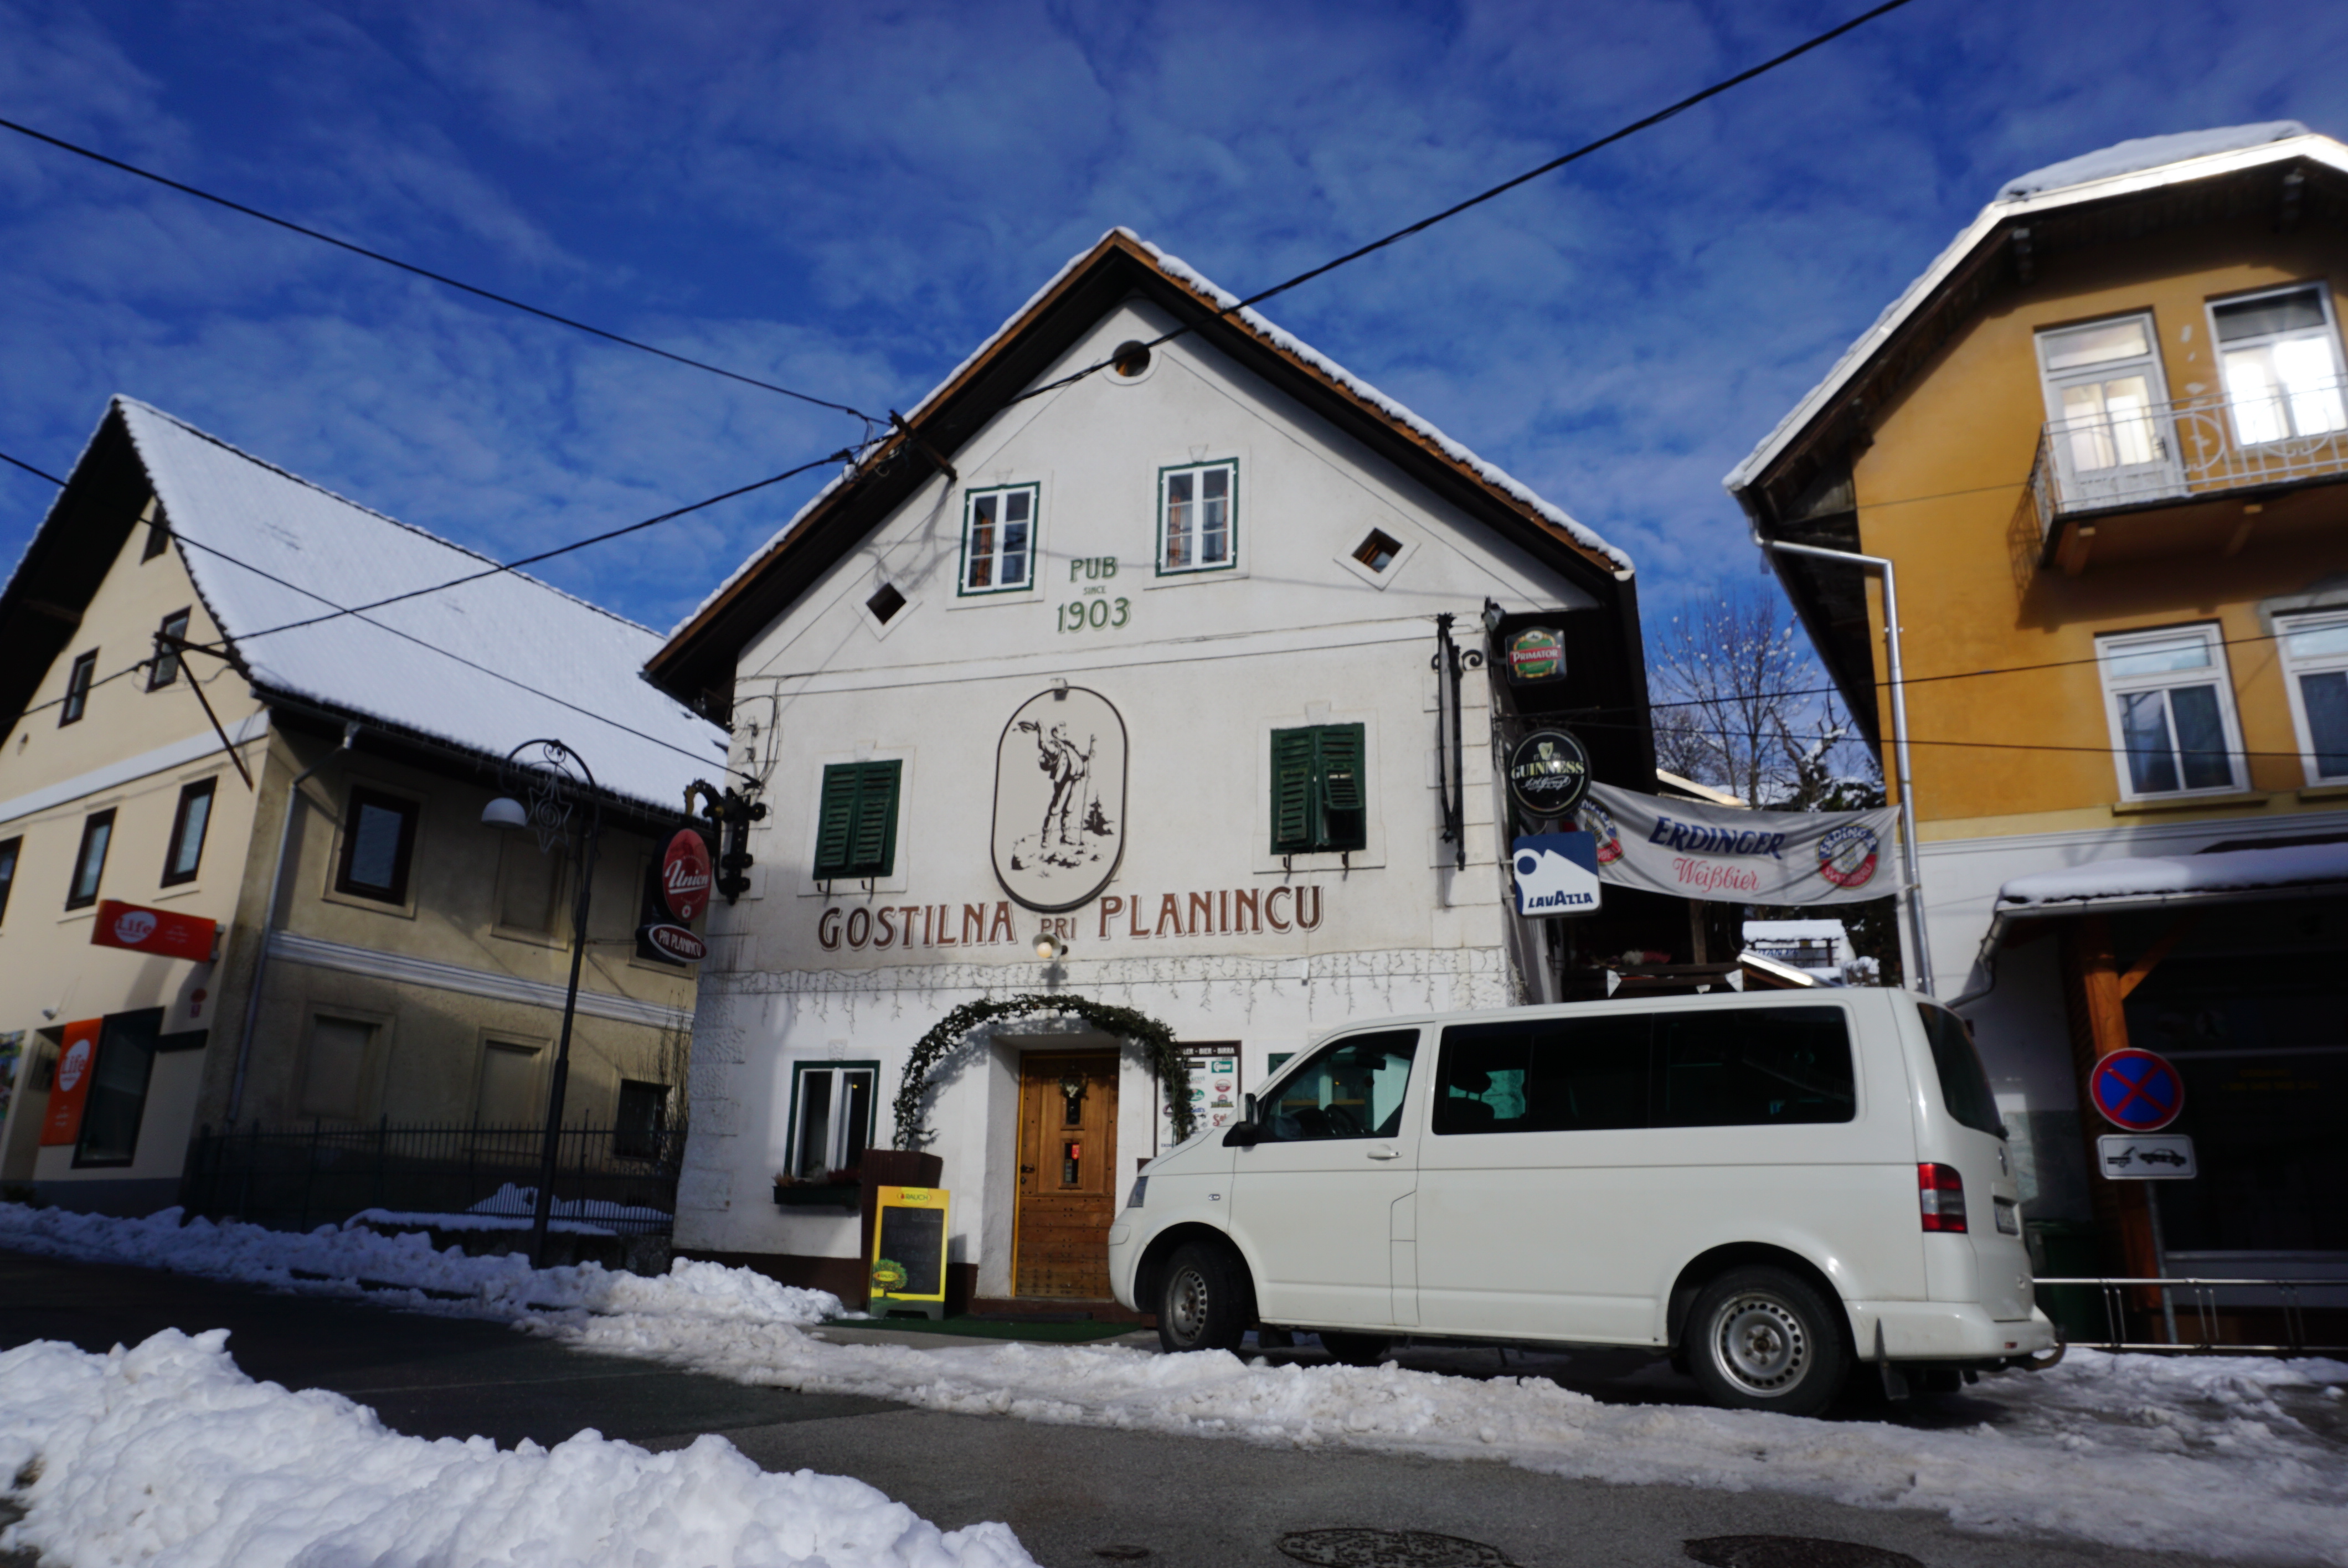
[[883, 1299]]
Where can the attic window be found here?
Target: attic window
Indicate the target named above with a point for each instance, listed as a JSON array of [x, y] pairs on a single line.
[[159, 530], [1377, 551], [1131, 358], [886, 603]]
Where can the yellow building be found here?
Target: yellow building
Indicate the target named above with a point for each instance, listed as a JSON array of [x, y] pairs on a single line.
[[309, 784], [2102, 442]]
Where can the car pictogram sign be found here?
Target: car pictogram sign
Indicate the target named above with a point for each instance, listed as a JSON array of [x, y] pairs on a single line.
[[2136, 1091]]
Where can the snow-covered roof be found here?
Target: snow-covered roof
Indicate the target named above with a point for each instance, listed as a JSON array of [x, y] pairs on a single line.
[[2160, 877], [485, 666], [1252, 321], [2144, 164]]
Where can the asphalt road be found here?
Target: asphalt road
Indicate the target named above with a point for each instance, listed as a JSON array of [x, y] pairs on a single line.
[[1068, 1491]]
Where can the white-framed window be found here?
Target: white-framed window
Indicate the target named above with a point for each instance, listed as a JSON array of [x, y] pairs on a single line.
[[2171, 707], [1198, 516], [833, 1107], [2280, 353], [2104, 396], [2315, 668], [998, 539]]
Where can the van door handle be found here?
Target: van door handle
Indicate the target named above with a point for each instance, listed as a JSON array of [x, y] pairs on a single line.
[[1381, 1152]]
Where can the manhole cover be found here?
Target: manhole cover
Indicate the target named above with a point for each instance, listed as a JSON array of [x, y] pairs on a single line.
[[1793, 1551], [1389, 1549]]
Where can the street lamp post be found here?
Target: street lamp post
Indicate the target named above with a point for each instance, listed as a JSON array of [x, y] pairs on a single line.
[[553, 779]]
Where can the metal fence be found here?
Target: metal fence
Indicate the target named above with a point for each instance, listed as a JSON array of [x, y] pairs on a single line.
[[2188, 1315], [621, 1179]]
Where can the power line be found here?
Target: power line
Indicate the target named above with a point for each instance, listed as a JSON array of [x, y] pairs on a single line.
[[37, 473], [1658, 118], [441, 277]]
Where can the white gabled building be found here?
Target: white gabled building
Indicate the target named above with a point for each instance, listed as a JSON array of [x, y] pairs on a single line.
[[1145, 661]]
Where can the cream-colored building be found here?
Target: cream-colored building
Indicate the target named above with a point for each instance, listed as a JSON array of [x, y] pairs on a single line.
[[415, 959]]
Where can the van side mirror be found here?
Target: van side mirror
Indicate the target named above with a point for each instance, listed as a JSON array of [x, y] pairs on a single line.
[[1247, 1111], [1242, 1135]]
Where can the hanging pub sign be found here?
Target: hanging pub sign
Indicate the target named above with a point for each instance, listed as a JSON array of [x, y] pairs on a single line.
[[685, 875], [163, 932], [1536, 653], [1557, 874], [1549, 772], [674, 941], [1691, 849]]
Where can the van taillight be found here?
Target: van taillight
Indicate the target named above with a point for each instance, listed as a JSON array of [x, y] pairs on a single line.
[[1941, 1193]]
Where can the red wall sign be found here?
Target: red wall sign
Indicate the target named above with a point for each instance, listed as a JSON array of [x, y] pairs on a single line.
[[685, 875], [69, 1091], [145, 930]]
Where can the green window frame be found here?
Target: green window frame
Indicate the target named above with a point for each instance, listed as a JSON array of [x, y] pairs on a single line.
[[1319, 805], [835, 1110], [856, 831], [1199, 518], [998, 539]]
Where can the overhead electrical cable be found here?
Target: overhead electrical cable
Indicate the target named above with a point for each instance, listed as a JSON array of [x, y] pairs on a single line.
[[427, 273], [36, 473]]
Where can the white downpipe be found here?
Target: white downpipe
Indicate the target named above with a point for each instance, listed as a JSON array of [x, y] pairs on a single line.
[[1911, 873], [269, 922]]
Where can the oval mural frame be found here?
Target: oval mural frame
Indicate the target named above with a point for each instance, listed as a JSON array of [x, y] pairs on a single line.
[[1028, 885]]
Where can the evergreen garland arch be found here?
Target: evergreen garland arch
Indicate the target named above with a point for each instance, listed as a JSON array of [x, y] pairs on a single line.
[[1156, 1039]]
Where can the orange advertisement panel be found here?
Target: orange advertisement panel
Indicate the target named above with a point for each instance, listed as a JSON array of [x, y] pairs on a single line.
[[161, 931], [69, 1092]]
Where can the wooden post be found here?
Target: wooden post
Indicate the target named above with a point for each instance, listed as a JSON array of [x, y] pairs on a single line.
[[2091, 982]]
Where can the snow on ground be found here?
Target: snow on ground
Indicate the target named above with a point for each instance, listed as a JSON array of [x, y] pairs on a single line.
[[2229, 1457], [166, 1452]]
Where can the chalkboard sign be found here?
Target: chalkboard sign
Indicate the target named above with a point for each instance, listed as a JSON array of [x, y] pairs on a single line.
[[908, 1250]]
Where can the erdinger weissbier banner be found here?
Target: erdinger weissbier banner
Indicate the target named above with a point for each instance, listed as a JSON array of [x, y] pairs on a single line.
[[1737, 857]]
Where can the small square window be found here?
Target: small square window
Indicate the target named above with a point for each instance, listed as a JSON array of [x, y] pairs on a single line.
[[11, 851], [378, 840], [640, 1122], [89, 862], [173, 631], [998, 539], [833, 1104], [1378, 551], [1198, 517], [2171, 707], [885, 603], [188, 824], [2315, 668], [78, 681]]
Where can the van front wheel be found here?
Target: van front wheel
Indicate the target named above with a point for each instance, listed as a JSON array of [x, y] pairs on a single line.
[[1761, 1339], [1199, 1302]]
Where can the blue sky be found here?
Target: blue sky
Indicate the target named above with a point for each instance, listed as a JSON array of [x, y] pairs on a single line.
[[848, 198]]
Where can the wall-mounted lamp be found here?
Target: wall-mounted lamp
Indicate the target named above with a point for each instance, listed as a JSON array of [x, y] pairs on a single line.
[[505, 812], [1049, 948]]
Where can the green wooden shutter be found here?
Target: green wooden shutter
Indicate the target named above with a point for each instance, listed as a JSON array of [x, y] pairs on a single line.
[[856, 831], [1292, 754], [834, 816], [1343, 824]]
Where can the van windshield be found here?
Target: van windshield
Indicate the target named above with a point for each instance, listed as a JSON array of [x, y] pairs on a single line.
[[1964, 1085]]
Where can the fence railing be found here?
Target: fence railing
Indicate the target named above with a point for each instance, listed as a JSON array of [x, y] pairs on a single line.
[[2189, 1315], [620, 1179], [2141, 454]]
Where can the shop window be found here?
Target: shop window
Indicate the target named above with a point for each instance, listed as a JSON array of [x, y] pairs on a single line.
[[1544, 1075], [2171, 710], [2281, 357], [1753, 1067], [2315, 666], [1317, 805], [118, 1088], [78, 681], [378, 840], [509, 1094], [1198, 516], [12, 850], [641, 1119], [998, 539], [190, 822], [833, 1108], [334, 1069], [1350, 1089], [90, 861], [167, 654], [856, 828]]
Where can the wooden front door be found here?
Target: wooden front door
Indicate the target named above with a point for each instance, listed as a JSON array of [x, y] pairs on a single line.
[[1067, 1173]]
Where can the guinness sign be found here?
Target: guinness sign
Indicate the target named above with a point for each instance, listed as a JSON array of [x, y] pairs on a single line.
[[1549, 772]]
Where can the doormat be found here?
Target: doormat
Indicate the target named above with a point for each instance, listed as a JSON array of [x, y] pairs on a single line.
[[1047, 1332]]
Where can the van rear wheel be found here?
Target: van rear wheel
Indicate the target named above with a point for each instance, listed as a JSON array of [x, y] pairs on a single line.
[[1761, 1339], [1199, 1302]]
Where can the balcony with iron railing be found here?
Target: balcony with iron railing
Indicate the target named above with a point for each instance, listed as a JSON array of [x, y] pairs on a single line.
[[2210, 460]]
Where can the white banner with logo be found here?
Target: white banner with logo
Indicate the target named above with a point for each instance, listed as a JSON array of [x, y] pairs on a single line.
[[1732, 855]]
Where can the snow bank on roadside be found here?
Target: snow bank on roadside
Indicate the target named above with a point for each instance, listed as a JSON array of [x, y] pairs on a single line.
[[169, 1451], [339, 1261]]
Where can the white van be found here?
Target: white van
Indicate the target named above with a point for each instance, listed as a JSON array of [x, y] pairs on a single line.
[[1773, 1187]]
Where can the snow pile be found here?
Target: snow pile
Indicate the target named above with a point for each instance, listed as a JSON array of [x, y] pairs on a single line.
[[406, 1269], [2134, 156], [2228, 871], [169, 1451]]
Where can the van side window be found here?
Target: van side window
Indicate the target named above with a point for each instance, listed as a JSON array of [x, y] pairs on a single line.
[[1964, 1086], [1543, 1075], [1351, 1088], [1749, 1067]]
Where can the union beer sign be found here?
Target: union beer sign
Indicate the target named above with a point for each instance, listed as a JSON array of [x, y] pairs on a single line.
[[1059, 799], [685, 875]]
